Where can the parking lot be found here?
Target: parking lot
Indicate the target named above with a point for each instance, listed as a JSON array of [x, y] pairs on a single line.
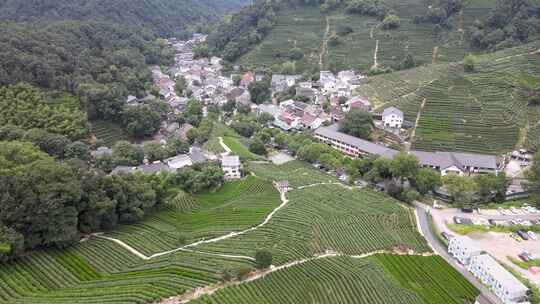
[[499, 244]]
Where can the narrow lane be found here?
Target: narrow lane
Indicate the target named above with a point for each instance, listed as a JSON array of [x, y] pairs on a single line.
[[439, 249]]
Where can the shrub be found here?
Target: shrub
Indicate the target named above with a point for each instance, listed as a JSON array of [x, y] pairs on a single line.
[[390, 22], [263, 259], [469, 62]]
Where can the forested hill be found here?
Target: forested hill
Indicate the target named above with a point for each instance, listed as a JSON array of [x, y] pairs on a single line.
[[164, 17]]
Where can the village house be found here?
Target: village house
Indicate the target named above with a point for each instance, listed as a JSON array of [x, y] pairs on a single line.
[[507, 287], [280, 83], [336, 113], [247, 79], [231, 166], [359, 103], [392, 117], [458, 163], [311, 122]]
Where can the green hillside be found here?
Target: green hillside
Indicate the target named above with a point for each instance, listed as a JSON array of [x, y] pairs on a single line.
[[487, 110], [308, 27], [164, 17]]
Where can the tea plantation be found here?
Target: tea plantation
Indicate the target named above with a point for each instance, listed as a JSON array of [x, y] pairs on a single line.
[[330, 217], [483, 111], [317, 218], [349, 280], [304, 27]]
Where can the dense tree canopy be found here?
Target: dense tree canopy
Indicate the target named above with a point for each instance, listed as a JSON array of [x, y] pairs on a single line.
[[163, 17], [141, 121], [28, 107], [357, 123], [98, 62], [236, 35], [509, 23]]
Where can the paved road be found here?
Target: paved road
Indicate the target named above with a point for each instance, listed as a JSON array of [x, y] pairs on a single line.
[[438, 248]]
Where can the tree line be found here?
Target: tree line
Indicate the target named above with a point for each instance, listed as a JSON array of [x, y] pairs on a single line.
[[165, 18], [46, 203]]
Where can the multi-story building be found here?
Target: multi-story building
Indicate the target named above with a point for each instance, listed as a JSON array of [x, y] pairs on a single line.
[[509, 289], [463, 249], [350, 145], [231, 166]]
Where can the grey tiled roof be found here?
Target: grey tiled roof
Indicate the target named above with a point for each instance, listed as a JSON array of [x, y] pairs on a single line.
[[447, 159], [230, 161], [364, 145]]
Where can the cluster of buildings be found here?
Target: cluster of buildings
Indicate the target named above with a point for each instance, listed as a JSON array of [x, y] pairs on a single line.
[[445, 162], [507, 287], [309, 113]]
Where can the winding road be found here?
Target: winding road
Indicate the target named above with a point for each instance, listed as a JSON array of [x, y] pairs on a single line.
[[423, 226]]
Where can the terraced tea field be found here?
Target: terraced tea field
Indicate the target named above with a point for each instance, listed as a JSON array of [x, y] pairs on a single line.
[[304, 27], [315, 219], [109, 133], [297, 173], [430, 278], [484, 111], [348, 280], [329, 217], [236, 206], [99, 271]]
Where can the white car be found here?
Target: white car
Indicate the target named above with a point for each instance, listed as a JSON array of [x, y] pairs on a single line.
[[501, 211], [532, 235], [514, 210]]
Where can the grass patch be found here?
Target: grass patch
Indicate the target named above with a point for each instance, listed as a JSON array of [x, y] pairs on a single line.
[[468, 229], [435, 230], [240, 149], [524, 265]]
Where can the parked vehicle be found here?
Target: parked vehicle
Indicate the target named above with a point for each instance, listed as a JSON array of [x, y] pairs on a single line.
[[515, 237], [532, 235], [446, 236], [467, 210], [514, 210], [523, 235], [462, 221], [523, 257]]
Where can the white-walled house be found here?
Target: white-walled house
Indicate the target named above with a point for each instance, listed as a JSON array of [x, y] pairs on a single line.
[[507, 287], [463, 249], [392, 117], [231, 166]]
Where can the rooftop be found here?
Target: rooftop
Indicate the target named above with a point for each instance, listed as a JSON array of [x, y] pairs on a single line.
[[362, 144], [392, 110], [230, 161], [447, 159], [500, 274]]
